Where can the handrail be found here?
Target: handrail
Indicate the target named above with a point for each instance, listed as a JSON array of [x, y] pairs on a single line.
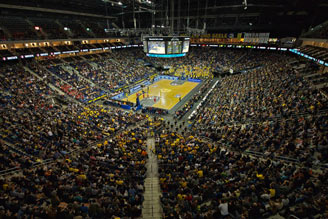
[[8, 170], [17, 150], [287, 158], [254, 153]]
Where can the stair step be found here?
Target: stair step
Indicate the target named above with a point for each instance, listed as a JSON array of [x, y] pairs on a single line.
[[151, 207]]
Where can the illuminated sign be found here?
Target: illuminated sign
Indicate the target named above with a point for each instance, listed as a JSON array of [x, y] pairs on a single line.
[[73, 51], [29, 56], [96, 49], [296, 51], [12, 57]]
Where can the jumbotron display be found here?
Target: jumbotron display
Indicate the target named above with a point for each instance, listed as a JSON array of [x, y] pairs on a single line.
[[166, 47]]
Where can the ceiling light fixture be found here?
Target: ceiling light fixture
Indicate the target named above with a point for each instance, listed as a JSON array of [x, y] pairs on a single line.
[[245, 4]]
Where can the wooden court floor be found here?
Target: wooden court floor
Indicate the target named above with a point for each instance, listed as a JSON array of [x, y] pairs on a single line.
[[169, 94]]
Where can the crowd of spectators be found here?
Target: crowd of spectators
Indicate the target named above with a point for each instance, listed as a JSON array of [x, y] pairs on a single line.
[[87, 79], [198, 63], [204, 180], [86, 89], [271, 110], [118, 69], [104, 181], [11, 159], [153, 110], [202, 62], [32, 122], [301, 138], [55, 80], [97, 165], [276, 90], [254, 58]]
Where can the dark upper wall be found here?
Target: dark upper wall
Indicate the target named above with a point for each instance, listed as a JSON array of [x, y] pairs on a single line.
[[280, 17]]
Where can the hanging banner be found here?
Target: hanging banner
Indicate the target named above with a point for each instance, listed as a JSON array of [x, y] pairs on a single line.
[[256, 37]]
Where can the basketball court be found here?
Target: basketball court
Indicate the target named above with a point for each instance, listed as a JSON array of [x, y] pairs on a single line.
[[164, 94]]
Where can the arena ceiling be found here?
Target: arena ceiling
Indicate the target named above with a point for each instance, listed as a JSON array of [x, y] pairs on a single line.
[[280, 17]]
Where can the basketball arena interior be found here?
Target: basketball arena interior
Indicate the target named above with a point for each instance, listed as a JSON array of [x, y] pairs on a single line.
[[173, 109]]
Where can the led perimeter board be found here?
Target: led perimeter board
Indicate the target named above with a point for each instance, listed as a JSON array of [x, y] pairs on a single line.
[[167, 46]]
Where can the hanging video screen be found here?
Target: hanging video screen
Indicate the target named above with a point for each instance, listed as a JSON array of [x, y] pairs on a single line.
[[156, 47], [185, 46], [145, 46], [171, 45]]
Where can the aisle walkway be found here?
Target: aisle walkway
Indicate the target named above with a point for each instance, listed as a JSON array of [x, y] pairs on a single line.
[[152, 203]]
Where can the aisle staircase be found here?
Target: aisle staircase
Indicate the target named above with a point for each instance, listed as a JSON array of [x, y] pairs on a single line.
[[93, 64], [71, 70], [50, 85], [152, 203], [239, 59]]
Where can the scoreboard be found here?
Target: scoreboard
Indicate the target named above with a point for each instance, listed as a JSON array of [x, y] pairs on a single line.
[[168, 46]]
